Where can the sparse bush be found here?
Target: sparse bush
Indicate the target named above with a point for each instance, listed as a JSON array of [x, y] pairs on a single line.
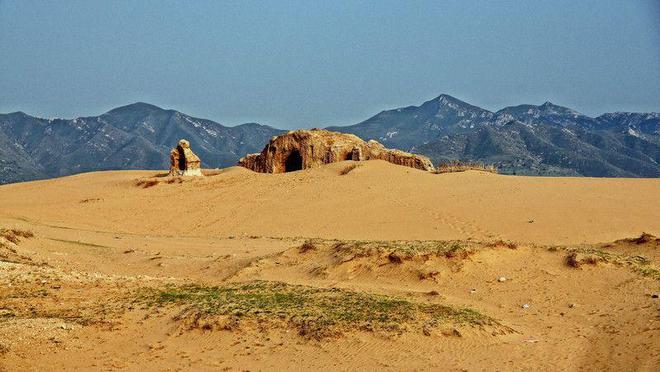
[[458, 166], [147, 183], [307, 246], [395, 257], [502, 243], [347, 169], [431, 274], [15, 235], [576, 259], [579, 256], [9, 238], [456, 250], [398, 251], [644, 238]]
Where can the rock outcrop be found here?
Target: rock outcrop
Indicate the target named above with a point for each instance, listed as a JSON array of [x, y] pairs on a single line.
[[302, 149], [184, 162]]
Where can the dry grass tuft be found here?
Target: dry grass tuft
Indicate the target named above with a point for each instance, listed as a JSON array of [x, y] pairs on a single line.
[[428, 274], [175, 180], [15, 235], [502, 243], [9, 238], [147, 183], [458, 166], [645, 238], [347, 169], [576, 259], [309, 245], [399, 251]]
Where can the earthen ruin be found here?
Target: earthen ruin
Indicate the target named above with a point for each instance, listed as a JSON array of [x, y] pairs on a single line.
[[184, 162], [302, 149]]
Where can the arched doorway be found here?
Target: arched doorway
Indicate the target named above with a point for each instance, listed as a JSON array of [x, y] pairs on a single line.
[[293, 162]]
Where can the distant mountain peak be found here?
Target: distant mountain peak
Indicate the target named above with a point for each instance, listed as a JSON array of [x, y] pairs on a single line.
[[546, 109], [446, 98], [445, 101], [551, 107], [137, 106]]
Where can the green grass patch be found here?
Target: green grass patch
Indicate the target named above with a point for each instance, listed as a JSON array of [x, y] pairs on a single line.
[[316, 313], [461, 166], [578, 257], [399, 251]]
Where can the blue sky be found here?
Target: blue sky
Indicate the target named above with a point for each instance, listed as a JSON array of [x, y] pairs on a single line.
[[317, 63]]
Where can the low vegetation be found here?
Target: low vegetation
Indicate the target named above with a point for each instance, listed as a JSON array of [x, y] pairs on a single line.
[[644, 238], [146, 183], [579, 257], [9, 238], [39, 292], [399, 251], [15, 235], [316, 313], [347, 169], [459, 166], [396, 252]]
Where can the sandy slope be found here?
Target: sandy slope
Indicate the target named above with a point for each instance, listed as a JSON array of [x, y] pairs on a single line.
[[103, 235], [375, 201]]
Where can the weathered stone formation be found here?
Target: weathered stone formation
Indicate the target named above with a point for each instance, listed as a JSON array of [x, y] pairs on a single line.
[[302, 149], [183, 161]]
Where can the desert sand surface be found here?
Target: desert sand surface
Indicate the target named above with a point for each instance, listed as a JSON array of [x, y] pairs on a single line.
[[384, 267]]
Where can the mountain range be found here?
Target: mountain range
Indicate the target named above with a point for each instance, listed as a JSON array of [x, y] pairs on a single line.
[[527, 139], [137, 136]]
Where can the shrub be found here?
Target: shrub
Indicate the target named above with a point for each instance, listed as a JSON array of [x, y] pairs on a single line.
[[347, 169], [458, 166]]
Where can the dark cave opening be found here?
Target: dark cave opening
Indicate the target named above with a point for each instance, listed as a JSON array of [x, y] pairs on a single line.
[[293, 162], [182, 159]]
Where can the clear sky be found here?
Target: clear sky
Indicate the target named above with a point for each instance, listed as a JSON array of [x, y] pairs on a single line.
[[317, 63]]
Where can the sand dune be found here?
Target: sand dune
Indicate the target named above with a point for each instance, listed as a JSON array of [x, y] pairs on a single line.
[[124, 271], [375, 201]]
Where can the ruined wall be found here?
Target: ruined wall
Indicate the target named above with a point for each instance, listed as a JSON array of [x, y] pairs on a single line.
[[317, 146]]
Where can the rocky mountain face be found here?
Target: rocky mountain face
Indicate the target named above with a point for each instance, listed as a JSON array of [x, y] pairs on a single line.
[[137, 136], [526, 139], [539, 140]]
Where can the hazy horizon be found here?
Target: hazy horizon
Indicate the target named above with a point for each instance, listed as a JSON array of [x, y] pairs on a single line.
[[307, 64]]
